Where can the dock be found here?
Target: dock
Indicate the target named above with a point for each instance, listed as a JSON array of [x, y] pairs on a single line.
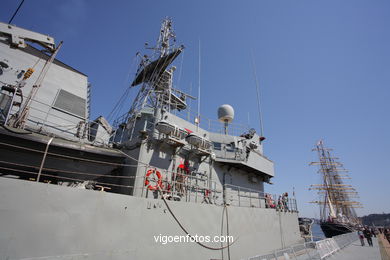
[[355, 251], [342, 247]]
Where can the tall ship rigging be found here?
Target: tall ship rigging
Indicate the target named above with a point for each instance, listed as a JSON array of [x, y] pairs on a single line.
[[337, 207]]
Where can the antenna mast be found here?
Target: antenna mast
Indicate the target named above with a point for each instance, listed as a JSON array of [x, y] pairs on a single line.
[[153, 75], [166, 34], [155, 78], [258, 97], [198, 116]]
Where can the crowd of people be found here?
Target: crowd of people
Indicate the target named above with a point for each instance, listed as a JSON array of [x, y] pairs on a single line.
[[368, 233], [282, 202], [386, 233]]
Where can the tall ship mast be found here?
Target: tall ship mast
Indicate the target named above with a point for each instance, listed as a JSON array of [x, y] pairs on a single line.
[[337, 207]]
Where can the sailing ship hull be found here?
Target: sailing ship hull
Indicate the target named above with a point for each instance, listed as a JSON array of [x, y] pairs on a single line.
[[331, 229]]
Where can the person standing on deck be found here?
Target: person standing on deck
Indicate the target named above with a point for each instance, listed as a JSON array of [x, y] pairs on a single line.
[[367, 234], [285, 201], [361, 237]]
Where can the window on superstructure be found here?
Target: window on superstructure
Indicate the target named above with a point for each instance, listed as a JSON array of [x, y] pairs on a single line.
[[230, 147], [217, 146]]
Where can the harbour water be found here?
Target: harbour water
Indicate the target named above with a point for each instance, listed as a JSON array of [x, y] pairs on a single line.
[[317, 232]]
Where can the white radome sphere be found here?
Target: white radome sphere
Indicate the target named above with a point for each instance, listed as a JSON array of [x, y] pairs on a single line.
[[226, 113]]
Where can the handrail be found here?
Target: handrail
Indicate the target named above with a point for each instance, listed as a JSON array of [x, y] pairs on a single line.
[[72, 123], [211, 125], [310, 250], [194, 186]]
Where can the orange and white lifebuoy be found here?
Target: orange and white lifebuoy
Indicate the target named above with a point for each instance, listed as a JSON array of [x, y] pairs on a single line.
[[159, 180], [184, 168]]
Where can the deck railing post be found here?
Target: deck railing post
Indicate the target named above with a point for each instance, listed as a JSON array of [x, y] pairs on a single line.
[[239, 196], [44, 158], [143, 186]]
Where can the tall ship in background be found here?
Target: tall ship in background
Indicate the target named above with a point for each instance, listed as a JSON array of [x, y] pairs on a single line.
[[75, 188], [337, 207]]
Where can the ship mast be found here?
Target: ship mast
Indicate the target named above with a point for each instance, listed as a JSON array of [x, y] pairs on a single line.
[[336, 197], [155, 79]]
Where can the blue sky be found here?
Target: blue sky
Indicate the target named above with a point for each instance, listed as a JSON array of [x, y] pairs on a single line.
[[323, 68]]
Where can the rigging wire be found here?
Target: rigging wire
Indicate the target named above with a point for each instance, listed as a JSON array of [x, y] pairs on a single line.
[[258, 95], [198, 116], [17, 10], [181, 70], [119, 105]]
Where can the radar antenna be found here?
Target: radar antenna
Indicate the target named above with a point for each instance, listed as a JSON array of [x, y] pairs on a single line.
[[156, 79]]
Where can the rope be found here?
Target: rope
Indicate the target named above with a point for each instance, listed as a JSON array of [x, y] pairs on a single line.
[[128, 156], [223, 213], [227, 230], [185, 230]]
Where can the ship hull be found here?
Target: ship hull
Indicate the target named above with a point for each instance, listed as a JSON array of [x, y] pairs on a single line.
[[22, 154], [331, 229], [45, 221]]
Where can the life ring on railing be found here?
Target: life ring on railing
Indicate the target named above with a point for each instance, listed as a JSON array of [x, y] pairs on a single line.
[[159, 180], [184, 168]]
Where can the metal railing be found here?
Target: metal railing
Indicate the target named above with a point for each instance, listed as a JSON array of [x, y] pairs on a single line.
[[311, 250], [234, 154], [69, 127], [246, 197], [190, 186], [211, 125]]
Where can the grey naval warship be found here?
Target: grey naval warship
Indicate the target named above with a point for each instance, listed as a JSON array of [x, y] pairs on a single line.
[[75, 188]]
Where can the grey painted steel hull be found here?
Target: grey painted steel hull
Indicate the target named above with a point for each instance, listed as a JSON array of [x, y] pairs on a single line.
[[44, 221], [22, 154], [54, 221]]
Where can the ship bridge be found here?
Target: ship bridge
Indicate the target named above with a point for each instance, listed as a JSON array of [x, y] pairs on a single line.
[[242, 153]]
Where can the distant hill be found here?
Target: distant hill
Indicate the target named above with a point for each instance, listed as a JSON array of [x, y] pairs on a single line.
[[376, 219]]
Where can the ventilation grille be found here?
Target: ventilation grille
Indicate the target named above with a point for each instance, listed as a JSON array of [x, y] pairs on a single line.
[[70, 103]]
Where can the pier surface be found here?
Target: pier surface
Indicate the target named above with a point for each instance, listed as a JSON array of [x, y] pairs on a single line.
[[357, 252]]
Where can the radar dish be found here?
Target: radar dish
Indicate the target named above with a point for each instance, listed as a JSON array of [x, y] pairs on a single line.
[[226, 113]]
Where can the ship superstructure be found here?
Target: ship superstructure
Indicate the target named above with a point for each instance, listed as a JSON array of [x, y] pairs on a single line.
[[92, 190], [337, 206]]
